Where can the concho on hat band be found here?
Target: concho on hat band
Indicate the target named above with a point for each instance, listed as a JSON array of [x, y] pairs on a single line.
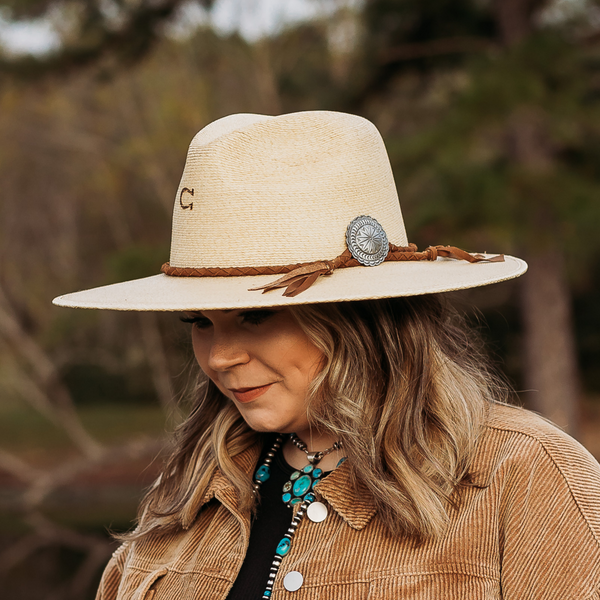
[[367, 245], [367, 241]]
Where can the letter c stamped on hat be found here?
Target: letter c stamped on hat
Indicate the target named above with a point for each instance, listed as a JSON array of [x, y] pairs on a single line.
[[191, 204]]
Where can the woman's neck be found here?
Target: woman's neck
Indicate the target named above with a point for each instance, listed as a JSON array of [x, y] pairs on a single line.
[[315, 442]]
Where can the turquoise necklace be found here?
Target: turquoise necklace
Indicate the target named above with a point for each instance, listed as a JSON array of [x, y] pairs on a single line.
[[298, 490], [302, 482]]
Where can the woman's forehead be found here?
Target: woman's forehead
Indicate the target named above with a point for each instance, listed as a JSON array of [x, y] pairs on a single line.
[[232, 310]]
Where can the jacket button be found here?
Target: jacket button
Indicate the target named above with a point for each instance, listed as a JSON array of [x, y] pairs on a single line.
[[316, 512], [293, 581]]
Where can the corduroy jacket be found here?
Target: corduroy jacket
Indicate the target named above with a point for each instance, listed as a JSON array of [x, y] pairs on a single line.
[[528, 529]]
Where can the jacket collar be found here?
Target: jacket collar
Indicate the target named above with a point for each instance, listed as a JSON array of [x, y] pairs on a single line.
[[220, 487], [348, 497]]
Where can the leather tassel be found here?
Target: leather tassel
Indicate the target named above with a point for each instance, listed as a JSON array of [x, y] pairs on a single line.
[[458, 254], [298, 280], [302, 283]]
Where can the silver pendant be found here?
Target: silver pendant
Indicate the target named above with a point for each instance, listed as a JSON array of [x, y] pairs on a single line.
[[314, 457], [367, 241]]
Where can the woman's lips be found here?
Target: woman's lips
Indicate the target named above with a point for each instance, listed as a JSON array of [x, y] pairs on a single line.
[[249, 394]]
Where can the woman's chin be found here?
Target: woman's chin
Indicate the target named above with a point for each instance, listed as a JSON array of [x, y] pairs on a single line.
[[271, 423], [262, 427]]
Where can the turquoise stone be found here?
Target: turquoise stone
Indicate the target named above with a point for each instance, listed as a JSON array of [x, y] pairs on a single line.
[[286, 497], [317, 473], [308, 468], [341, 461], [310, 497], [314, 483], [267, 593], [295, 501], [287, 486], [283, 547], [262, 473], [295, 475], [302, 485]]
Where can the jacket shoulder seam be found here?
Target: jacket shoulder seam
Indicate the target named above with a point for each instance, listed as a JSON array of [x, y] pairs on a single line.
[[548, 453]]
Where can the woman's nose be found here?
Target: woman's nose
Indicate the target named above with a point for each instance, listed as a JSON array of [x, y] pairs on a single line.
[[225, 354]]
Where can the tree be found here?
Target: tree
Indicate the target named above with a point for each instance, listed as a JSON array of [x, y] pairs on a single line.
[[89, 168], [510, 158], [120, 31]]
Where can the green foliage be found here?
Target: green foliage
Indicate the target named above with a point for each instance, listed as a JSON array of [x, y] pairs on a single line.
[[474, 177], [136, 261], [403, 21], [302, 68], [116, 34], [406, 35], [545, 71], [90, 384], [24, 431]]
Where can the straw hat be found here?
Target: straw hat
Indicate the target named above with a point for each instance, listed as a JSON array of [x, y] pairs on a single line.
[[307, 198]]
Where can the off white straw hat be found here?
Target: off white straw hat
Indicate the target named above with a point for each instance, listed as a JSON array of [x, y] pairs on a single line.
[[304, 201]]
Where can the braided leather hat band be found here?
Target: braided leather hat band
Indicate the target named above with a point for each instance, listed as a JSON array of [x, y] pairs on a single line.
[[299, 277]]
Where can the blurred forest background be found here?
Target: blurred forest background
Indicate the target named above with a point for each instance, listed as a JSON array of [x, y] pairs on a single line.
[[490, 110]]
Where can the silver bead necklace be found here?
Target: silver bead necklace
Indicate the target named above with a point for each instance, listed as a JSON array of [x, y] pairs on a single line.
[[298, 490]]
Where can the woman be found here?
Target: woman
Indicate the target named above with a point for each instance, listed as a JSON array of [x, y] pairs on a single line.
[[349, 441]]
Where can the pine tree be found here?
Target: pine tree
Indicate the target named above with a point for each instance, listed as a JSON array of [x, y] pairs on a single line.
[[514, 157]]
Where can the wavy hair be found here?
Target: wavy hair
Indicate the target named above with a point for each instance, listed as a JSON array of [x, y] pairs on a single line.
[[404, 385]]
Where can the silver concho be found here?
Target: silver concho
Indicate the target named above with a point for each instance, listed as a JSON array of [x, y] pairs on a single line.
[[367, 241]]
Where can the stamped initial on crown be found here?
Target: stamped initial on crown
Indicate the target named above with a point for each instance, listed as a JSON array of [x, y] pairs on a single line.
[[191, 193]]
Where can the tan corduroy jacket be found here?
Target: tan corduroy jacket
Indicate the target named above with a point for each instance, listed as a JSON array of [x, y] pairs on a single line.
[[529, 529]]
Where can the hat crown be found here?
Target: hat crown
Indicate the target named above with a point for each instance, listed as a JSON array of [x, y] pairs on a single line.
[[267, 191]]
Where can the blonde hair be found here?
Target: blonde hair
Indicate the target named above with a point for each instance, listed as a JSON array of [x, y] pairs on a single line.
[[403, 386]]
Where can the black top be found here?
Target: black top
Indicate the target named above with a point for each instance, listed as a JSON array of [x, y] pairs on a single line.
[[272, 520]]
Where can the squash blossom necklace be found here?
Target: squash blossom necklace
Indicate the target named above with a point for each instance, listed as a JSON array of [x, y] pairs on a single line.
[[298, 490]]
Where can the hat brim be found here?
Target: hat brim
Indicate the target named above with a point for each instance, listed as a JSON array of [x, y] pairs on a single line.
[[390, 279]]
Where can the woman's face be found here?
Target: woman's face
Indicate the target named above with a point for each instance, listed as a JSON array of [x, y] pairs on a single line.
[[261, 360]]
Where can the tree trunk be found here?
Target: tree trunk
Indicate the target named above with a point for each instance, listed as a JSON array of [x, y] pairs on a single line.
[[551, 373], [550, 365], [550, 370]]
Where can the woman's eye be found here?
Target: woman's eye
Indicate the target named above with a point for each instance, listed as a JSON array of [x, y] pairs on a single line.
[[200, 322], [256, 317]]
